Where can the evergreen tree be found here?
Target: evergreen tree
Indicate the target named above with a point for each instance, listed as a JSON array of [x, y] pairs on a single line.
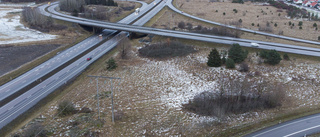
[[286, 57], [237, 54], [230, 63], [263, 54], [111, 64], [223, 60], [214, 59], [273, 57]]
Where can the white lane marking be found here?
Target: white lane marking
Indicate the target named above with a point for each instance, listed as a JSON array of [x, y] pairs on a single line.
[[40, 94], [301, 131], [286, 125]]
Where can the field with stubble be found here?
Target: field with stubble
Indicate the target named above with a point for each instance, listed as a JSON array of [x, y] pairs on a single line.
[[249, 13]]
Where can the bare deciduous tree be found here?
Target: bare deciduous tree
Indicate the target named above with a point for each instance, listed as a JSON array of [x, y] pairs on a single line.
[[125, 47]]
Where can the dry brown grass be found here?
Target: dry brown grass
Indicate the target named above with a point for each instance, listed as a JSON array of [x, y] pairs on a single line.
[[248, 12], [167, 19], [140, 94]]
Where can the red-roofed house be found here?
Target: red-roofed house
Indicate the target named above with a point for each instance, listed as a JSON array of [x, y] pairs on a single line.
[[313, 4], [306, 3]]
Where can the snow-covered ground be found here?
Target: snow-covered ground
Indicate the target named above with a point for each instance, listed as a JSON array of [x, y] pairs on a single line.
[[12, 31]]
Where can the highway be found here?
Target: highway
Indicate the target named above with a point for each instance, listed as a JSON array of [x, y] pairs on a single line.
[[22, 103], [186, 35], [294, 128]]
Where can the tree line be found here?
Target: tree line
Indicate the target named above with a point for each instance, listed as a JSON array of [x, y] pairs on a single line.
[[237, 55]]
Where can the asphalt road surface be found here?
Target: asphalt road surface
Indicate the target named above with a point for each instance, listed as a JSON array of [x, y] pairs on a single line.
[[188, 35], [294, 128]]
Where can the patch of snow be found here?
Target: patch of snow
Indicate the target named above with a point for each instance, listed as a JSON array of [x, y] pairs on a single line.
[[12, 31]]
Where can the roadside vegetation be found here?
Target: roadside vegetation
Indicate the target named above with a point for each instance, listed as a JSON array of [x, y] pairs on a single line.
[[36, 20], [166, 50], [99, 10]]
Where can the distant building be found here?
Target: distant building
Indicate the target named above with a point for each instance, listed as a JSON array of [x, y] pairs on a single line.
[[314, 5], [297, 2]]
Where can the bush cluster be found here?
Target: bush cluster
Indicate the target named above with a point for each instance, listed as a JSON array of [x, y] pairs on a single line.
[[39, 22], [66, 108], [292, 11], [238, 97], [111, 64], [271, 57], [235, 55], [221, 31], [166, 50]]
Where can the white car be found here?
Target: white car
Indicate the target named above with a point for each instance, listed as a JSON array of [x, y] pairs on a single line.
[[254, 44]]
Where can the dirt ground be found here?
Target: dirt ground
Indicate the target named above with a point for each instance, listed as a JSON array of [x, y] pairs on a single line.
[[250, 13], [12, 57]]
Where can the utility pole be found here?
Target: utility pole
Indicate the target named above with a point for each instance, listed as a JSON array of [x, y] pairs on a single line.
[[111, 78]]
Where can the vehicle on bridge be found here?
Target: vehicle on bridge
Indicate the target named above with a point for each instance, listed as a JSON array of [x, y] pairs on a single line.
[[137, 10]]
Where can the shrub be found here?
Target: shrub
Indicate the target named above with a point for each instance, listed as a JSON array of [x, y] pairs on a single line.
[[318, 37], [300, 23], [35, 130], [216, 10], [75, 13], [214, 59], [235, 96], [237, 54], [240, 20], [275, 25], [290, 23], [285, 56], [273, 57], [237, 1], [163, 50], [181, 25], [189, 26], [223, 60], [111, 64], [230, 63], [315, 25], [66, 108], [235, 10], [263, 54], [252, 24], [300, 27], [224, 13], [244, 67]]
